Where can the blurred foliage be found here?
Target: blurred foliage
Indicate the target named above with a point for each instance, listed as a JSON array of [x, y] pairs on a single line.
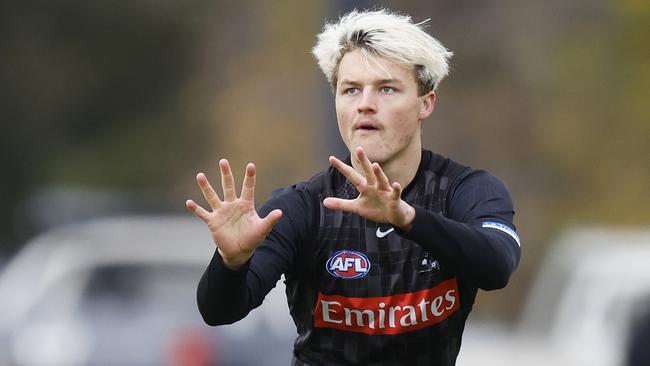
[[263, 110], [88, 97], [596, 131], [85, 85], [139, 96]]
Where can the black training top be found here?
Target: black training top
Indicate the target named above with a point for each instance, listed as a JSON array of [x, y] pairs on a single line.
[[369, 294]]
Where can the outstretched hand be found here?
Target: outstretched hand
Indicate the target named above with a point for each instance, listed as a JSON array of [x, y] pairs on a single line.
[[236, 228], [378, 200]]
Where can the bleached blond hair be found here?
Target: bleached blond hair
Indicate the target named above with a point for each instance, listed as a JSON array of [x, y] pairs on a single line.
[[389, 35]]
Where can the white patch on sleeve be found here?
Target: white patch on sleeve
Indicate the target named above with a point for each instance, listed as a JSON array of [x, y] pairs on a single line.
[[505, 228]]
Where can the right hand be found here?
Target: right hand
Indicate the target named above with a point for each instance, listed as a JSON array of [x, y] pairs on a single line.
[[236, 228]]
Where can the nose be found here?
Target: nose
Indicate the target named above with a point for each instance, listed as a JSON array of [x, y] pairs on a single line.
[[367, 102]]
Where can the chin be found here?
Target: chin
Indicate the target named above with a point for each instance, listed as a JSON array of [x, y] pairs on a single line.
[[375, 152], [375, 155]]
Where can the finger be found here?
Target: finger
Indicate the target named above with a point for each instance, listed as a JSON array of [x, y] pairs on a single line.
[[397, 191], [271, 219], [382, 179], [227, 181], [208, 192], [248, 188], [352, 175], [340, 204], [366, 165], [198, 211]]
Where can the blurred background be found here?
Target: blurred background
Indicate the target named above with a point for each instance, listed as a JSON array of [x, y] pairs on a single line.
[[108, 109]]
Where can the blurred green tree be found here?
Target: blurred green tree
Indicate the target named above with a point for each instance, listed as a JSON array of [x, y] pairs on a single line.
[[596, 129], [88, 91]]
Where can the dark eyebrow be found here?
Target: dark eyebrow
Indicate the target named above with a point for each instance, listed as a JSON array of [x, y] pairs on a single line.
[[379, 82], [346, 81], [390, 81]]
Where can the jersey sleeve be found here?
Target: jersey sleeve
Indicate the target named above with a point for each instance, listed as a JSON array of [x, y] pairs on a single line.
[[225, 296], [478, 239]]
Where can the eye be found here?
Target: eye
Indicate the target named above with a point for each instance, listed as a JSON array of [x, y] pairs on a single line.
[[351, 91], [387, 90]]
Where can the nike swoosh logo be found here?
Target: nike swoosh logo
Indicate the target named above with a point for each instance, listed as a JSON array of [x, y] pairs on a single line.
[[381, 234]]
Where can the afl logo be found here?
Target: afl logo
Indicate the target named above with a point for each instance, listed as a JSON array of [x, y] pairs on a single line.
[[348, 264]]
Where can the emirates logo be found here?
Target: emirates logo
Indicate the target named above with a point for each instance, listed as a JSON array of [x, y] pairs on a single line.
[[389, 314]]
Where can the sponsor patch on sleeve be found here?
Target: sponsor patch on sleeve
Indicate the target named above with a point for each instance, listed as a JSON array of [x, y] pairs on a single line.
[[505, 228]]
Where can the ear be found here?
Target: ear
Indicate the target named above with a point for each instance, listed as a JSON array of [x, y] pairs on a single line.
[[427, 105]]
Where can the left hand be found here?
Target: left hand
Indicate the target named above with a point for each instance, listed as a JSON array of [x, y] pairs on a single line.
[[378, 200]]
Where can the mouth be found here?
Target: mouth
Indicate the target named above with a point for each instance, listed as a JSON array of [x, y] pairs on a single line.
[[367, 126]]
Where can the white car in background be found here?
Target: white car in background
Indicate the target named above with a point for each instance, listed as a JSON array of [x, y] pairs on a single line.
[[581, 307], [122, 291]]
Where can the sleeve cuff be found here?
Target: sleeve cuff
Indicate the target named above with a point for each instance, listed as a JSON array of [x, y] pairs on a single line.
[[221, 271], [421, 227]]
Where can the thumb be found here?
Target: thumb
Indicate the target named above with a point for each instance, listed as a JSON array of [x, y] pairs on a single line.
[[271, 219], [341, 204]]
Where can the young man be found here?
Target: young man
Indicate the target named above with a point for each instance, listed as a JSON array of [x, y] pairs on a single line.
[[384, 252]]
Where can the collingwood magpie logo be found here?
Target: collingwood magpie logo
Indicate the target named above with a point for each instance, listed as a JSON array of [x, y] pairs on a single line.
[[428, 264]]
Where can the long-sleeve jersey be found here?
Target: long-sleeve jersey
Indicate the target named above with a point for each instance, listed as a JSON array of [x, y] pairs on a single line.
[[365, 293]]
